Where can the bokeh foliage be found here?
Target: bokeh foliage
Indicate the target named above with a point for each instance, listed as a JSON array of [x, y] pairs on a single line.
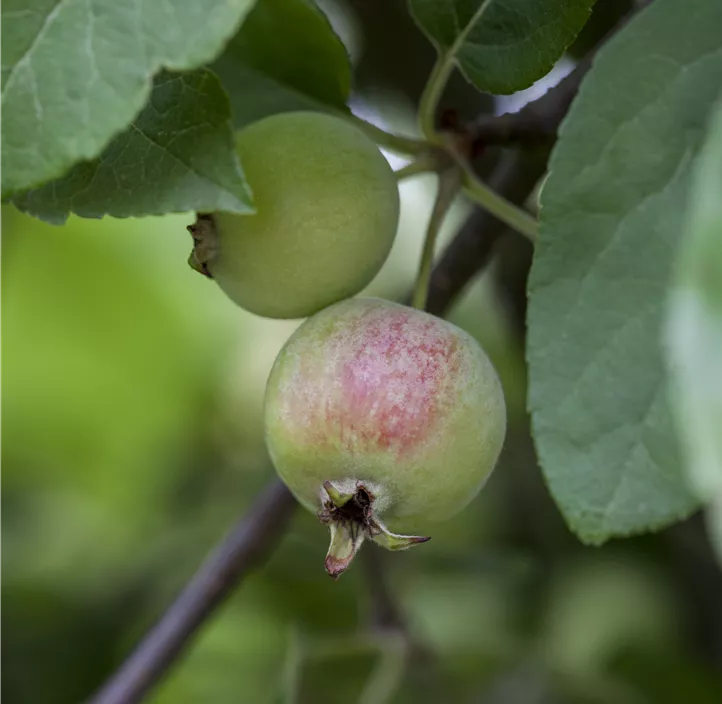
[[132, 440]]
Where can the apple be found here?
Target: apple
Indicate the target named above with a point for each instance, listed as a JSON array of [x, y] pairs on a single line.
[[327, 210], [382, 418]]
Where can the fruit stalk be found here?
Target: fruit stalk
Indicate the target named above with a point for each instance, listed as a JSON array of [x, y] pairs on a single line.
[[449, 183]]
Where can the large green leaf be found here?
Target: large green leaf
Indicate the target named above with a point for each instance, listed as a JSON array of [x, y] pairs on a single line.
[[695, 326], [611, 215], [501, 46], [285, 57], [177, 156], [76, 72]]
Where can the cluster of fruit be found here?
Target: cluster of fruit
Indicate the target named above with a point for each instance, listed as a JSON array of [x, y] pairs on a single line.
[[378, 416]]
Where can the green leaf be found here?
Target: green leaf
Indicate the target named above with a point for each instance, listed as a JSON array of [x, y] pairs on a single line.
[[501, 46], [176, 156], [76, 72], [694, 329], [285, 57], [611, 214]]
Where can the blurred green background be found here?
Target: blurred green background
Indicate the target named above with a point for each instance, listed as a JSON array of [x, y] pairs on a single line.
[[132, 441], [132, 393]]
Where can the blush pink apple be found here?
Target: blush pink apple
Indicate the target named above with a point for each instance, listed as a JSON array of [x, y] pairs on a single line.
[[382, 418]]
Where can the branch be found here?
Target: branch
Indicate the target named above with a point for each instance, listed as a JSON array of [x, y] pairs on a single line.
[[449, 183], [392, 142], [514, 179], [246, 547], [536, 124], [473, 245]]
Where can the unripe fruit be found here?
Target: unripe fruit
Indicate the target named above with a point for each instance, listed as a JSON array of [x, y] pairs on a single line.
[[327, 209], [382, 418]]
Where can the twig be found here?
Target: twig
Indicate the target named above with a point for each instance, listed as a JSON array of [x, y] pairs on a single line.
[[473, 245], [536, 124], [414, 168], [248, 545], [430, 160], [514, 179], [392, 142], [502, 209], [524, 128], [439, 77], [449, 183]]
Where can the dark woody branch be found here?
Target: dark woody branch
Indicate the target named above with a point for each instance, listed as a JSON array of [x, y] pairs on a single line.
[[247, 546], [536, 124]]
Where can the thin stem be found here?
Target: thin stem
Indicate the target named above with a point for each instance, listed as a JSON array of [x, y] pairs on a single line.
[[449, 182], [433, 91], [428, 161], [439, 76], [415, 168], [392, 142], [500, 207]]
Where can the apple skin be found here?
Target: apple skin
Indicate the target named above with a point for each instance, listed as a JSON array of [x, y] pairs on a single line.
[[327, 210], [375, 392]]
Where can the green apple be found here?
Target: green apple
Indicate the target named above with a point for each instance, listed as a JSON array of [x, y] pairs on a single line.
[[327, 209]]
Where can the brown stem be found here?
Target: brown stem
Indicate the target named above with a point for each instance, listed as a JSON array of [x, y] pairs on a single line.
[[247, 546], [514, 179], [473, 245], [536, 123]]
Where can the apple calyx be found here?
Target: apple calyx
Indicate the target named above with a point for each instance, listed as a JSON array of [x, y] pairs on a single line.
[[350, 518], [205, 243]]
